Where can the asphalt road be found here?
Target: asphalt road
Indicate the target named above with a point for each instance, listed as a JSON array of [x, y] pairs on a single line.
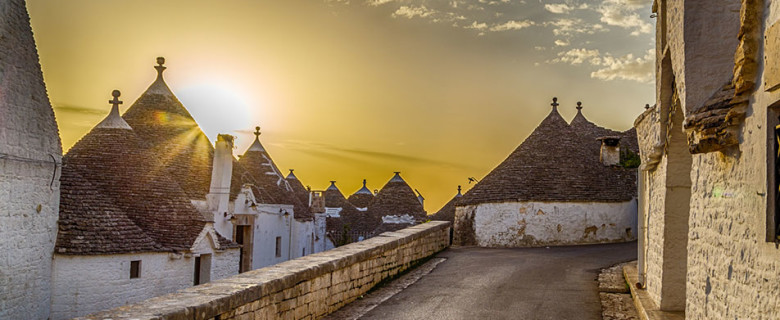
[[518, 283]]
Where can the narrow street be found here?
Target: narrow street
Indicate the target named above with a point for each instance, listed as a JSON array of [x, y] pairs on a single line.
[[516, 283]]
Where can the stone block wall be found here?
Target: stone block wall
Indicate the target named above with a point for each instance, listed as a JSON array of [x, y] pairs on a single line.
[[30, 154], [309, 287]]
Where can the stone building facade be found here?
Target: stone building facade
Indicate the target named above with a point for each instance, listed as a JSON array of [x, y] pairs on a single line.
[[563, 185], [30, 160], [708, 186]]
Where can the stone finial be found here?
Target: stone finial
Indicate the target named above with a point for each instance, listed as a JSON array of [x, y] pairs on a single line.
[[114, 120], [364, 183], [647, 106], [291, 171], [579, 106], [458, 189], [332, 182], [160, 68], [115, 102], [554, 104], [257, 132]]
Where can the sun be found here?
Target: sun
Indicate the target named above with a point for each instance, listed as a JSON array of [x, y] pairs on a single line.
[[218, 108]]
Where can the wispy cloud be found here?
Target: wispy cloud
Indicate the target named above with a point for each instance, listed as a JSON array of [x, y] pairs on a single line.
[[563, 7], [79, 109], [609, 67], [627, 67], [512, 25], [338, 153], [410, 12], [624, 14]]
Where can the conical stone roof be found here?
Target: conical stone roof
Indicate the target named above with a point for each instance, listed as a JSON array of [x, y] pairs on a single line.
[[362, 197], [298, 188], [396, 198], [167, 129], [558, 162], [271, 187], [116, 201]]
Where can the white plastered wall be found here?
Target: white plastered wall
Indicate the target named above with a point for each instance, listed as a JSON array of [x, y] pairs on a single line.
[[87, 284], [520, 224]]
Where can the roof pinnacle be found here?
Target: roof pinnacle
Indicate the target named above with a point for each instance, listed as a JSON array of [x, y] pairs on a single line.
[[160, 68], [647, 106], [114, 120], [364, 183], [257, 132], [459, 191], [579, 106], [115, 102], [554, 104]]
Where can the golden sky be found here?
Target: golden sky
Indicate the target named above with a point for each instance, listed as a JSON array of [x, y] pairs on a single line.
[[347, 90]]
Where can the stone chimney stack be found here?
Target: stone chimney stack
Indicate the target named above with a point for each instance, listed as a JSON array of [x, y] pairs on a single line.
[[610, 150], [222, 170]]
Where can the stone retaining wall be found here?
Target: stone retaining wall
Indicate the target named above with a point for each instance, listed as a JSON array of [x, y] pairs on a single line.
[[309, 287]]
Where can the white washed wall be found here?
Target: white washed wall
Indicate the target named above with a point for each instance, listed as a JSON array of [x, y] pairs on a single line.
[[87, 284], [520, 224], [269, 224]]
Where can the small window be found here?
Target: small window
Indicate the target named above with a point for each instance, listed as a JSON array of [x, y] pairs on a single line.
[[773, 177], [304, 252], [278, 247], [135, 269]]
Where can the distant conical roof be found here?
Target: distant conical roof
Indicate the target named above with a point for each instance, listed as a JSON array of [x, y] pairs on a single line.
[[362, 197], [333, 196], [396, 198], [298, 188], [557, 162], [271, 187]]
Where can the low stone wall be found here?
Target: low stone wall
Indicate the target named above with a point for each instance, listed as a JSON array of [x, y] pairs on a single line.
[[309, 287]]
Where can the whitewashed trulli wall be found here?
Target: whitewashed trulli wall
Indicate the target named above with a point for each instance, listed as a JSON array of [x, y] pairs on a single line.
[[88, 284], [30, 154], [527, 223]]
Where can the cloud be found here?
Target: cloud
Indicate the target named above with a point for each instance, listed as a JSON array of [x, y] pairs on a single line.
[[477, 26], [378, 2], [573, 26], [80, 109], [560, 8], [562, 43], [410, 12], [624, 14], [627, 68], [578, 56], [609, 67], [512, 25]]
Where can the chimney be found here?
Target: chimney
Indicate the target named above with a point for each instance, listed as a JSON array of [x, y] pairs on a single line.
[[610, 150], [222, 169]]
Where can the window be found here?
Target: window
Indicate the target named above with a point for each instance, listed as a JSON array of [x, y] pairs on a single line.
[[304, 252], [773, 175], [135, 269], [278, 247], [202, 270]]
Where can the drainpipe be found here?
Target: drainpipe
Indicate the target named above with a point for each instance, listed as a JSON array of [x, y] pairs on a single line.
[[644, 218]]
